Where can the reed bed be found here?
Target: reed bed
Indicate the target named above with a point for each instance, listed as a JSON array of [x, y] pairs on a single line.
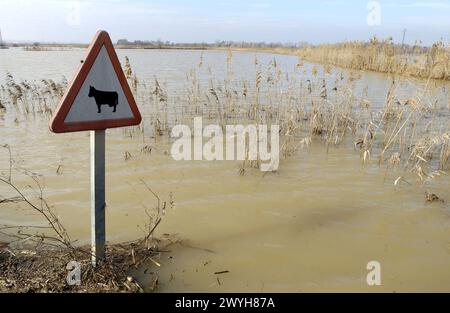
[[317, 105], [374, 55], [385, 57]]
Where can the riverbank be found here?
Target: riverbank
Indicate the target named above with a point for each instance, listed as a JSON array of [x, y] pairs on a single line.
[[46, 269]]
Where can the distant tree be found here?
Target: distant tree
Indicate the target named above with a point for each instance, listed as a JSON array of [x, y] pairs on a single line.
[[123, 42]]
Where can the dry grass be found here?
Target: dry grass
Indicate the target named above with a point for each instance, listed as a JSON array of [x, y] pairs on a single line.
[[385, 57], [44, 269]]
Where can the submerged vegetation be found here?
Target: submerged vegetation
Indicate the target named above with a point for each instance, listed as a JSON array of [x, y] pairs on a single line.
[[314, 104], [37, 256]]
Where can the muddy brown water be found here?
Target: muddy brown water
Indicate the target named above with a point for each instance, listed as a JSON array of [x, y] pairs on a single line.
[[312, 226]]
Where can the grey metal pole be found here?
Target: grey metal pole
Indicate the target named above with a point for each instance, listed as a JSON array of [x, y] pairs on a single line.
[[98, 196]]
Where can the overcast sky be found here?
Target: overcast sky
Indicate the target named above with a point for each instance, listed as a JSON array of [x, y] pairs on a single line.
[[201, 20]]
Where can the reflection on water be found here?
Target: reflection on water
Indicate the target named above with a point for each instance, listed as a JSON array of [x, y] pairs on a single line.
[[313, 225]]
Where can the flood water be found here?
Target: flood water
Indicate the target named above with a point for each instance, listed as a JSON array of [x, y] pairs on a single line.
[[311, 226]]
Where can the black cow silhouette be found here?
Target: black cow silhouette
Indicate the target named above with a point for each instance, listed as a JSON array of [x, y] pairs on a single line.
[[111, 98]]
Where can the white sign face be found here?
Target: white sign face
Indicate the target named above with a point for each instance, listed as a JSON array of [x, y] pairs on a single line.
[[101, 96]]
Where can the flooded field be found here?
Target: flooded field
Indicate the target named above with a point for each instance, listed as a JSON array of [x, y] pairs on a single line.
[[350, 187]]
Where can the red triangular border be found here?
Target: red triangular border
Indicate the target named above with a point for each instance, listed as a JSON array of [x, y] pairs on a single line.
[[57, 123]]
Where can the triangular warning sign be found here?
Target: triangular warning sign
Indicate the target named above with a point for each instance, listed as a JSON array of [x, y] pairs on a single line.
[[99, 96]]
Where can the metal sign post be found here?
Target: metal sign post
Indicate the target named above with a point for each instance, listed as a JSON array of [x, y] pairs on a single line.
[[98, 202]]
